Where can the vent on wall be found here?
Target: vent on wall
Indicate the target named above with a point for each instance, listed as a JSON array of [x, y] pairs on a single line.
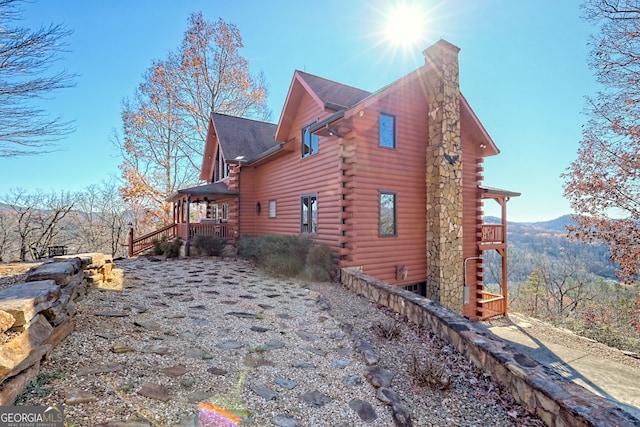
[[417, 288]]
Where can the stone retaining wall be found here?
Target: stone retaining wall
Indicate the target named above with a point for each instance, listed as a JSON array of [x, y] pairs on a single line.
[[557, 401], [39, 313]]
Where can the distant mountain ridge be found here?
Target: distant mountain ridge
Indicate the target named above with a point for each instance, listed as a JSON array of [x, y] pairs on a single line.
[[557, 224], [529, 241]]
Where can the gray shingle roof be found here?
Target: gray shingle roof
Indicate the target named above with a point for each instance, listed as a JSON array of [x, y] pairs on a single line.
[[333, 92], [243, 137]]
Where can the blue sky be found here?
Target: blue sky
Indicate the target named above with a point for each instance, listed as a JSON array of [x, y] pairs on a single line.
[[523, 69]]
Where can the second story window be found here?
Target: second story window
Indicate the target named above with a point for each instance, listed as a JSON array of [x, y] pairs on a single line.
[[387, 130], [220, 168], [309, 141]]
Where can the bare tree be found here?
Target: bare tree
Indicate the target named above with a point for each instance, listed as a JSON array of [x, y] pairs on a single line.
[[102, 219], [153, 150], [5, 234], [212, 76], [39, 219], [27, 58], [165, 124], [568, 286]]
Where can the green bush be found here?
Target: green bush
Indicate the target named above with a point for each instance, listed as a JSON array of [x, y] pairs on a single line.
[[249, 247], [158, 246], [289, 256], [172, 248], [168, 248], [320, 265], [281, 265], [209, 245]]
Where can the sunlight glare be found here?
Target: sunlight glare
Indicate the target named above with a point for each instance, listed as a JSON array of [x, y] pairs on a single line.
[[405, 25]]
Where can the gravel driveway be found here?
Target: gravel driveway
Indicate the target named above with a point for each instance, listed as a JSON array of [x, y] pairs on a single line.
[[182, 331]]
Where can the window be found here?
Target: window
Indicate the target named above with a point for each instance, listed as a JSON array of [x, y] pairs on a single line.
[[387, 130], [309, 141], [220, 212], [309, 214], [272, 208], [220, 168], [387, 222]]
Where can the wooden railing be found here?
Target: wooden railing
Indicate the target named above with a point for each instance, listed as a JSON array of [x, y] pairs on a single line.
[[204, 229], [492, 305], [492, 235], [143, 243]]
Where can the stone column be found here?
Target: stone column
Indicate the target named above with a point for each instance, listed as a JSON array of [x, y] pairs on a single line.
[[444, 178]]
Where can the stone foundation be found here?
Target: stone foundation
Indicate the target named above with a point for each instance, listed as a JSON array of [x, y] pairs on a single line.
[[558, 402]]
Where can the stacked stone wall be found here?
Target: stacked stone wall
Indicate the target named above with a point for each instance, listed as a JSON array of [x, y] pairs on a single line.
[[557, 401], [444, 178], [37, 314]]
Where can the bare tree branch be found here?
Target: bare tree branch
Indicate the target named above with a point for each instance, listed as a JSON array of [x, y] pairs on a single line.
[[27, 75]]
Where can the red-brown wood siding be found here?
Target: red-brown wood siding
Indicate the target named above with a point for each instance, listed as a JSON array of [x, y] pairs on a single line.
[[348, 174], [372, 169], [287, 178], [472, 218]]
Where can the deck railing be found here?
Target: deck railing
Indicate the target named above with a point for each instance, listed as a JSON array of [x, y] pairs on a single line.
[[492, 234], [492, 305], [143, 243], [204, 229]]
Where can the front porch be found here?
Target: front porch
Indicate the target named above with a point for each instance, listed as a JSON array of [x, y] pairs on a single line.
[[205, 210]]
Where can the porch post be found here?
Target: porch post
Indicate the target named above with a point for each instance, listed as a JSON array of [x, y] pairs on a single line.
[[174, 206], [130, 240], [503, 204], [187, 242]]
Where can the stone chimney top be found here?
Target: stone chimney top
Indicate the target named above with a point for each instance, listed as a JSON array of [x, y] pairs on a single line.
[[439, 51]]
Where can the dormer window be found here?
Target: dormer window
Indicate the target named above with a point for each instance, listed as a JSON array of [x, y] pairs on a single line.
[[309, 141]]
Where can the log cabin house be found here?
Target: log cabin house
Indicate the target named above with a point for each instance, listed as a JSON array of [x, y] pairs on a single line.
[[391, 181]]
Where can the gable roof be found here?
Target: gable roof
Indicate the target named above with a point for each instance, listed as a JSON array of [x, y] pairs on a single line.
[[333, 94], [238, 136], [327, 94]]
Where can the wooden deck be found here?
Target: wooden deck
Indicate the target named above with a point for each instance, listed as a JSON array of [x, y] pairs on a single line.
[[492, 305]]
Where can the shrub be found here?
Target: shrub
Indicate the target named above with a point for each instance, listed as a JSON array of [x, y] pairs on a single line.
[[320, 265], [281, 265], [389, 330], [249, 247], [157, 246], [209, 245], [168, 248], [172, 248], [289, 256], [430, 373]]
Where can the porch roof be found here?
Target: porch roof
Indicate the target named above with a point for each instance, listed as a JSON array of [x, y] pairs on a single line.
[[488, 192], [211, 189]]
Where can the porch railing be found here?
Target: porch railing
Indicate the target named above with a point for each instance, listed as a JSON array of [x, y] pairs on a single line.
[[492, 305], [492, 234], [204, 229], [143, 243]]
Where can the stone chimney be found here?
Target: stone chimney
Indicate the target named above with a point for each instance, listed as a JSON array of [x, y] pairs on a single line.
[[445, 279]]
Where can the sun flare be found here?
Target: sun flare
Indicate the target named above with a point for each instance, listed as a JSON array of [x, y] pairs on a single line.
[[405, 25]]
